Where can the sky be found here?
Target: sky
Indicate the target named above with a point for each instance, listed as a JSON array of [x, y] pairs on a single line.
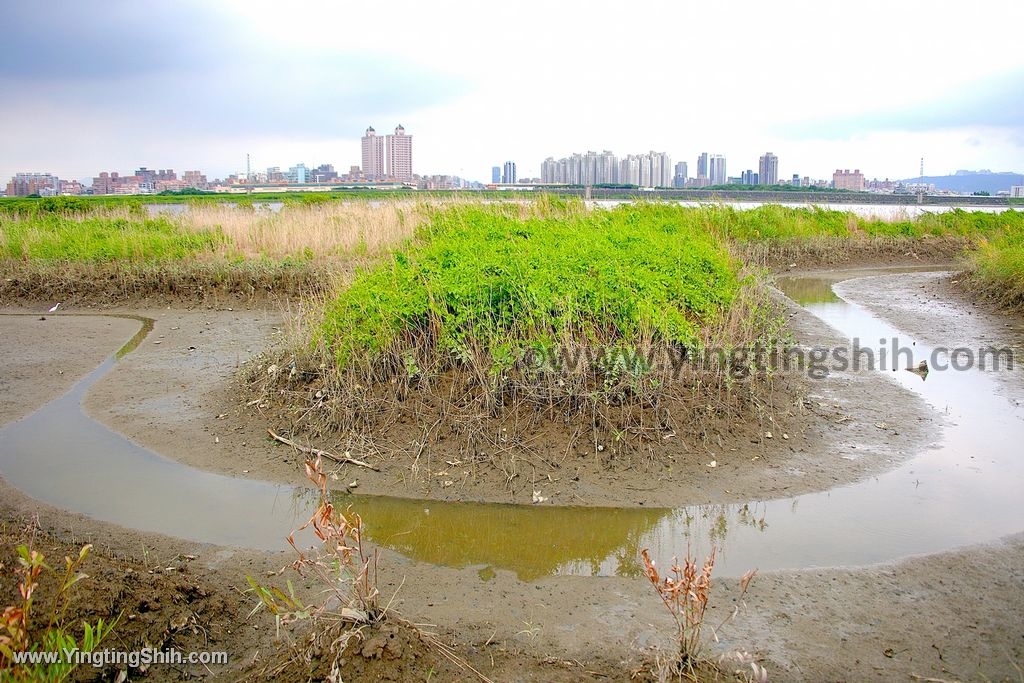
[[189, 84]]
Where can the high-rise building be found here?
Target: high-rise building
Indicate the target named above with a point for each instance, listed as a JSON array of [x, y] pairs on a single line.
[[399, 155], [508, 175], [748, 177], [496, 174], [680, 176], [661, 169], [768, 169], [716, 170], [195, 179], [324, 173], [104, 183], [629, 170], [653, 169], [373, 155], [24, 184], [844, 180], [297, 174], [702, 167]]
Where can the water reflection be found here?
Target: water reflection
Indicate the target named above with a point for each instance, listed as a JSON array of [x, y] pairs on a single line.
[[531, 541]]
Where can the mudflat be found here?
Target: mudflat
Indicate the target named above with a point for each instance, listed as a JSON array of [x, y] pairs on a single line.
[[949, 616]]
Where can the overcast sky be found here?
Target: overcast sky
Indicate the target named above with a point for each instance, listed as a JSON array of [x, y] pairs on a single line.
[[89, 86]]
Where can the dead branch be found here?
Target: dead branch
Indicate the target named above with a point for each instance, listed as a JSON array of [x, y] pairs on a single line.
[[321, 453]]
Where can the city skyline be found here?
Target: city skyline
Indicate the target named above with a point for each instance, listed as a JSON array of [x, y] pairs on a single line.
[[877, 91]]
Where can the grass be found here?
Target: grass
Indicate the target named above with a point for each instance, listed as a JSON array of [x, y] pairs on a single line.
[[997, 267], [522, 312], [776, 222], [210, 253], [482, 279], [525, 315], [306, 231], [298, 232], [53, 237]]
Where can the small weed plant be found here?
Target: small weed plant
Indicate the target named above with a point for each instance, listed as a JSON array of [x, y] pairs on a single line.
[[341, 565], [685, 591], [21, 636]]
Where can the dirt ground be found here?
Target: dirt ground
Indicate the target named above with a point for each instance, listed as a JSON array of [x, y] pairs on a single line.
[[172, 397], [950, 616]]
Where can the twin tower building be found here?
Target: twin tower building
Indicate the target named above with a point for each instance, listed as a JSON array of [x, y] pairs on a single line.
[[387, 157]]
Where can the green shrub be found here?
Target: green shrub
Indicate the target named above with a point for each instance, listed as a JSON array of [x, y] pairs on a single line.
[[487, 277]]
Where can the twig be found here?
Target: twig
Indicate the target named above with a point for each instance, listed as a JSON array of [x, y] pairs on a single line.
[[321, 453], [452, 657]]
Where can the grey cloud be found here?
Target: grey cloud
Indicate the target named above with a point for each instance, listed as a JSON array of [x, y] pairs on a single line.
[[993, 102], [53, 42], [183, 67]]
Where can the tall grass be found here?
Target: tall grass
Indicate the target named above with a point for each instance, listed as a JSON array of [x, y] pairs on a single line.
[[776, 222], [998, 267], [94, 239], [307, 230]]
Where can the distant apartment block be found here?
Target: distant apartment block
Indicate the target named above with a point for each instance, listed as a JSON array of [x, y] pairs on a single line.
[[508, 174], [495, 174], [24, 184], [324, 173], [877, 185], [446, 182], [1017, 191], [106, 183], [195, 180], [844, 180], [274, 175], [768, 169], [716, 170], [653, 169], [749, 177], [680, 176], [399, 155], [702, 166], [373, 155], [71, 187], [297, 174]]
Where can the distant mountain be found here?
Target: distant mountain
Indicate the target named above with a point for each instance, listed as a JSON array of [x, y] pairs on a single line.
[[967, 182]]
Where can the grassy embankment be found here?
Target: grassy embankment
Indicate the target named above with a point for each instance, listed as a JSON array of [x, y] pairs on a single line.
[[996, 267], [116, 254], [776, 236], [498, 320], [584, 316]]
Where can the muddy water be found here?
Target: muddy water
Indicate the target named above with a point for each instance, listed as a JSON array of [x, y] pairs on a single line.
[[63, 457], [965, 491]]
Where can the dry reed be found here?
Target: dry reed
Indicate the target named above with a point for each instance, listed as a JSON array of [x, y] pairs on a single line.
[[318, 230]]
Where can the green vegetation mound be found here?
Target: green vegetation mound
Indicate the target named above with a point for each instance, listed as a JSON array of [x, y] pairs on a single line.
[[491, 279]]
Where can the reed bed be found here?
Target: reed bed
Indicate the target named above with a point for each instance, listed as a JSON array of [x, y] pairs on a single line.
[[314, 231]]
